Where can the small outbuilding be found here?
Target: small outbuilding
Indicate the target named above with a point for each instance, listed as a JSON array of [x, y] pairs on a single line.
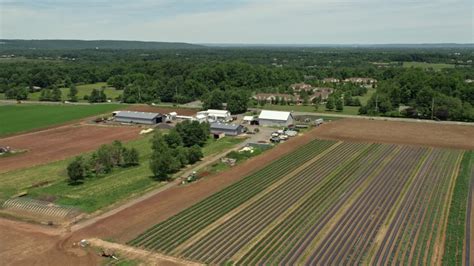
[[227, 129], [275, 118], [138, 117]]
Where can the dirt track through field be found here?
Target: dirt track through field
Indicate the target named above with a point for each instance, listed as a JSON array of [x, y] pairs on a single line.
[[60, 143]]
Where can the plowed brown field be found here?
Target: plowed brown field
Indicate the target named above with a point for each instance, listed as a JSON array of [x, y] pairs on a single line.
[[59, 143]]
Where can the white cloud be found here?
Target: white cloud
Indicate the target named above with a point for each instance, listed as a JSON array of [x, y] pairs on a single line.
[[264, 21]]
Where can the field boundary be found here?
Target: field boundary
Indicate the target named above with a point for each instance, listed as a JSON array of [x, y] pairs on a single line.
[[234, 212], [441, 238]]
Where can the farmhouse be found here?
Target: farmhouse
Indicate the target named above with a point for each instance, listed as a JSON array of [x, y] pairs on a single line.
[[331, 80], [275, 118], [272, 97], [227, 129], [138, 117], [301, 87], [358, 80], [321, 92], [213, 115]]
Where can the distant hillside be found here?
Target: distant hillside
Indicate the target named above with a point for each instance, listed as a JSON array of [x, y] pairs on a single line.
[[98, 44]]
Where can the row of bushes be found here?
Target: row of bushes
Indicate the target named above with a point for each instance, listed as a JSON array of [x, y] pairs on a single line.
[[102, 161]]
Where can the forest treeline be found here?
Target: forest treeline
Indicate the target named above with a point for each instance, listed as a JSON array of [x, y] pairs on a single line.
[[182, 76]]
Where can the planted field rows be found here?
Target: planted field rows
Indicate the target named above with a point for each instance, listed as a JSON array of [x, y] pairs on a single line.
[[327, 203]]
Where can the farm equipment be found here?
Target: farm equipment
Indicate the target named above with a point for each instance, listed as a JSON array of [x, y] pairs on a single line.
[[190, 178]]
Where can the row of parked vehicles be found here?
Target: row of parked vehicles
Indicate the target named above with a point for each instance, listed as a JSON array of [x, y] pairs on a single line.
[[283, 135]]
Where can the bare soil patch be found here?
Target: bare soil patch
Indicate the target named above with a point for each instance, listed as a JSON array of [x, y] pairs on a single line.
[[162, 110], [410, 133], [60, 143], [29, 244]]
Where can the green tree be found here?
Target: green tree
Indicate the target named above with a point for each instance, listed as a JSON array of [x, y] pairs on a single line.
[[76, 170], [21, 94], [193, 132], [330, 104], [131, 157], [160, 165], [56, 95], [72, 96], [161, 158], [105, 158], [237, 103], [213, 100], [339, 104], [45, 95], [194, 154], [173, 139]]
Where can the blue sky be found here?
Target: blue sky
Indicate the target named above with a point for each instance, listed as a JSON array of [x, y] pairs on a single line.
[[242, 21]]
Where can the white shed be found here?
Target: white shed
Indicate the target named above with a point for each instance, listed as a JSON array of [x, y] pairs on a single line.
[[275, 118]]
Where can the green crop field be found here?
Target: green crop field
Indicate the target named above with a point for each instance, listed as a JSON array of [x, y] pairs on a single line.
[[425, 65], [329, 202], [51, 181], [27, 117]]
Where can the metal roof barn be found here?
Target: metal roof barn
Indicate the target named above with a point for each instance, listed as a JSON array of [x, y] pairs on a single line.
[[275, 118], [138, 117], [227, 129]]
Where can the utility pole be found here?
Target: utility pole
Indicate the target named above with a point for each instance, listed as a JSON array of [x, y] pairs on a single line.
[[432, 108], [376, 103]]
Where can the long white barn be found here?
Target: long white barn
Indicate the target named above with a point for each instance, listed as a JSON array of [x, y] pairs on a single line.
[[275, 118]]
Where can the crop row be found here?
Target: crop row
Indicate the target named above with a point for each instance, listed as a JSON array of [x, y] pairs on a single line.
[[352, 235], [412, 231], [456, 228], [286, 242], [167, 235], [223, 242]]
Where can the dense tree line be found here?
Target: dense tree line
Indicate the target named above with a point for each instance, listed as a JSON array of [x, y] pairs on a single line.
[[225, 75], [423, 94], [180, 147], [102, 161]]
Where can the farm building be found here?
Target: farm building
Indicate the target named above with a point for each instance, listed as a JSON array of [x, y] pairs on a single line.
[[275, 118], [227, 129], [215, 115], [138, 117]]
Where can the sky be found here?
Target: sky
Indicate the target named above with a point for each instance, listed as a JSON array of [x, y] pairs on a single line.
[[242, 21]]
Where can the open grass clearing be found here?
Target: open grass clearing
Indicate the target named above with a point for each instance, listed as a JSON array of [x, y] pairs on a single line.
[[348, 110], [82, 90], [425, 65]]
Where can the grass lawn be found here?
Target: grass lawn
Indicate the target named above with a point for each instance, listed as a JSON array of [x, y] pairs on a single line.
[[214, 146], [425, 65], [26, 117], [365, 98], [348, 110], [51, 181], [85, 89]]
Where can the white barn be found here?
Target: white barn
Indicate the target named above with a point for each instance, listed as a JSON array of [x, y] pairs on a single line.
[[275, 118], [213, 115]]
